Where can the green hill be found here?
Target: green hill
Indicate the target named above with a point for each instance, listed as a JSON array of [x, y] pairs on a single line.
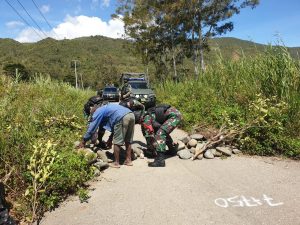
[[101, 59]]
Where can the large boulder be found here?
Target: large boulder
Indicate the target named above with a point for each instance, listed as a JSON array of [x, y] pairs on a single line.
[[181, 145], [88, 153], [198, 137], [185, 140], [101, 165], [192, 143], [184, 154], [225, 150], [136, 150], [192, 150], [200, 156], [208, 154], [215, 152], [97, 172], [236, 151], [199, 147], [101, 155]]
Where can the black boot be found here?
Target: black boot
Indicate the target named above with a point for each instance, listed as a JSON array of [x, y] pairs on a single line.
[[159, 161], [173, 149]]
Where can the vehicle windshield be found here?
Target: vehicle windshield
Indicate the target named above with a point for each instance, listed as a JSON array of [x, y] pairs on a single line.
[[138, 85], [110, 89]]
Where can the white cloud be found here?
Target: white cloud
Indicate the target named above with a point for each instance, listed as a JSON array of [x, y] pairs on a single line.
[[14, 24], [78, 26], [105, 3], [29, 34], [45, 8]]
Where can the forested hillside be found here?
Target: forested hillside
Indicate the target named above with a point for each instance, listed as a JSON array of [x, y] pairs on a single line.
[[100, 60]]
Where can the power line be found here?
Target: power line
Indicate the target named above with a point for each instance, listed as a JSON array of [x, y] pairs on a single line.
[[44, 18], [25, 21], [32, 19]]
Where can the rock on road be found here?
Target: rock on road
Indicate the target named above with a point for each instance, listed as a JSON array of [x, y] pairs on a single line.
[[238, 190]]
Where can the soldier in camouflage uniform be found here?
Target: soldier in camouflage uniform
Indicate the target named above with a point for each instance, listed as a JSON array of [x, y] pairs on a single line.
[[132, 103], [157, 124], [125, 90]]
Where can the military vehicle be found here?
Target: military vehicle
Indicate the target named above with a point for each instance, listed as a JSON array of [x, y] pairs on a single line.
[[140, 88], [110, 93]]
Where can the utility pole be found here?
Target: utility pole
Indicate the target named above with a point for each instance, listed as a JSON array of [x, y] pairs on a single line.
[[75, 67]]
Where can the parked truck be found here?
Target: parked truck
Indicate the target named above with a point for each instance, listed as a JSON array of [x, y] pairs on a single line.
[[140, 87]]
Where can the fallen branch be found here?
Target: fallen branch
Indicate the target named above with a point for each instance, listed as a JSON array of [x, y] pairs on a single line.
[[223, 135]]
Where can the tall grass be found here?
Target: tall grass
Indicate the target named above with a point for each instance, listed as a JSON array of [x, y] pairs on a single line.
[[230, 86], [25, 112]]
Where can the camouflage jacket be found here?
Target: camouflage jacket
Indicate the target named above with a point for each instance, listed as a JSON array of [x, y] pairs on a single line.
[[151, 123]]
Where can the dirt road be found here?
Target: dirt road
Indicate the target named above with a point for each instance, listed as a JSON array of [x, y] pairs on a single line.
[[238, 190]]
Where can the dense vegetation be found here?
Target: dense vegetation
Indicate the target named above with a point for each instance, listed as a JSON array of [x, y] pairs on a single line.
[[259, 95], [40, 121], [102, 59]]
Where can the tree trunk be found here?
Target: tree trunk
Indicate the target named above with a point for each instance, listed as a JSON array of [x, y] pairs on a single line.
[[196, 68], [174, 66], [200, 46]]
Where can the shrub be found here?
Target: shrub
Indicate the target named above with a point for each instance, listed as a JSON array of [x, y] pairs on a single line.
[[225, 91], [32, 114]]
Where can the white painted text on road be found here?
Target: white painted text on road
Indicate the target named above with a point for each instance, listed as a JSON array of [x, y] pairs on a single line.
[[242, 201]]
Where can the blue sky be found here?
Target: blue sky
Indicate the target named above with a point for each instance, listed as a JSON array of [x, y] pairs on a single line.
[[271, 21]]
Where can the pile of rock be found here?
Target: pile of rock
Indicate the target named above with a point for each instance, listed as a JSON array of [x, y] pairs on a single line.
[[96, 158], [189, 145]]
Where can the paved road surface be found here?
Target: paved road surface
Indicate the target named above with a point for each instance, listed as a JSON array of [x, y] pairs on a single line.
[[217, 191]]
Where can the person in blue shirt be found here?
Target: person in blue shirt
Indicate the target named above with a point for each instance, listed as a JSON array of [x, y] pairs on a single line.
[[118, 120]]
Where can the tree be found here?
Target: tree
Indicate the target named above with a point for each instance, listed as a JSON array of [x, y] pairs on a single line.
[[16, 70], [154, 29], [204, 19], [178, 26]]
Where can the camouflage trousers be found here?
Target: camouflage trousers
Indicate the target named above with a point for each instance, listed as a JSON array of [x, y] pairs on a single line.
[[162, 135]]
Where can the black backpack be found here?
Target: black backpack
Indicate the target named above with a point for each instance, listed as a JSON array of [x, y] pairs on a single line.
[[137, 113], [159, 112]]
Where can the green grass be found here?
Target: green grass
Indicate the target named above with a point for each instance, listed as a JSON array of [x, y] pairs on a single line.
[[230, 87], [32, 114]]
